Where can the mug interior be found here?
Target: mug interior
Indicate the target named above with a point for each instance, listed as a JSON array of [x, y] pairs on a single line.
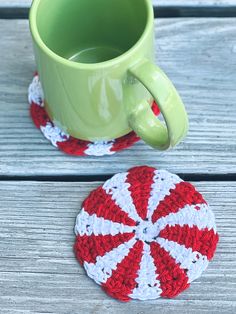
[[91, 31]]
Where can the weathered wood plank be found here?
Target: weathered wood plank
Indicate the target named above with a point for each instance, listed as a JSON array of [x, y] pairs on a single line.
[[197, 54], [39, 274], [191, 3], [15, 3], [195, 8]]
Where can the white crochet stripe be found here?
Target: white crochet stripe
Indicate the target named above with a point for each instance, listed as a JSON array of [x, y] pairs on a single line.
[[163, 183], [100, 149], [186, 258], [35, 92], [117, 187], [54, 134], [91, 224], [101, 271], [51, 132], [189, 215], [148, 284]]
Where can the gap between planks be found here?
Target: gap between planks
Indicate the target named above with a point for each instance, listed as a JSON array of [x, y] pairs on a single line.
[[198, 177]]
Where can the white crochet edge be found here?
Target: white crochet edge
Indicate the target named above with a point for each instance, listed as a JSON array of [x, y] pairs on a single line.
[[54, 134], [35, 92], [100, 148], [148, 287]]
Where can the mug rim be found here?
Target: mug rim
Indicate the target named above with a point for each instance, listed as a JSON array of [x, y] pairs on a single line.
[[37, 38]]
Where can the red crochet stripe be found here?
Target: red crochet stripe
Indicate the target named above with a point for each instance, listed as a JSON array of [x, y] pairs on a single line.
[[125, 142], [102, 204], [140, 180], [203, 241], [122, 282], [88, 248], [131, 138], [39, 115], [183, 194], [73, 146], [173, 280]]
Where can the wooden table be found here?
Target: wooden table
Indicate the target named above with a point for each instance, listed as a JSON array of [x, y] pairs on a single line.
[[41, 189]]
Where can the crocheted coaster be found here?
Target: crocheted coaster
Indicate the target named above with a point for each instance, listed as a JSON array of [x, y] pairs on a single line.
[[67, 143], [145, 234]]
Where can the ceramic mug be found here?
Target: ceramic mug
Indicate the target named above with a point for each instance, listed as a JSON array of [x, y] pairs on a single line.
[[95, 60]]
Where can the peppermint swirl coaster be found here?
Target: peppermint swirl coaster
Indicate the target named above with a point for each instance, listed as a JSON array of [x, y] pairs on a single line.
[[67, 143], [145, 234]]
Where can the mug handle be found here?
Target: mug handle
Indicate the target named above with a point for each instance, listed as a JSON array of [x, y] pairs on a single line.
[[144, 122]]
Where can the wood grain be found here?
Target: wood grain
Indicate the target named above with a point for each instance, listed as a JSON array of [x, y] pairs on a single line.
[[192, 3], [197, 54], [14, 3], [39, 274]]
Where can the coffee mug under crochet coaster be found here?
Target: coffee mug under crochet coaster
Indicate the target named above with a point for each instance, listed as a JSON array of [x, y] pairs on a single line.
[[67, 143], [145, 234]]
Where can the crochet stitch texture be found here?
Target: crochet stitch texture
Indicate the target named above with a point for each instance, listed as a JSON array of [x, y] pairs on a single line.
[[67, 143], [145, 234]]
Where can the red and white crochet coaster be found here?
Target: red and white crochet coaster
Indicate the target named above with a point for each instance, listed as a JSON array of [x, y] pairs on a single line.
[[145, 234], [67, 143]]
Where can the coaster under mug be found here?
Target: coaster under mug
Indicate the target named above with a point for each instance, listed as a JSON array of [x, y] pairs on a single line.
[[67, 143]]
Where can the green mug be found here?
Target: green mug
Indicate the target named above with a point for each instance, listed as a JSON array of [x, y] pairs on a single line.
[[95, 60]]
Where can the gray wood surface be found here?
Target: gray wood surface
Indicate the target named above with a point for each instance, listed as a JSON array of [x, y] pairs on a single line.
[[39, 274], [193, 3], [197, 54], [15, 3], [26, 3]]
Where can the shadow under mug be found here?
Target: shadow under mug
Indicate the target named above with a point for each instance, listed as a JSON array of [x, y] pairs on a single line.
[[95, 60]]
